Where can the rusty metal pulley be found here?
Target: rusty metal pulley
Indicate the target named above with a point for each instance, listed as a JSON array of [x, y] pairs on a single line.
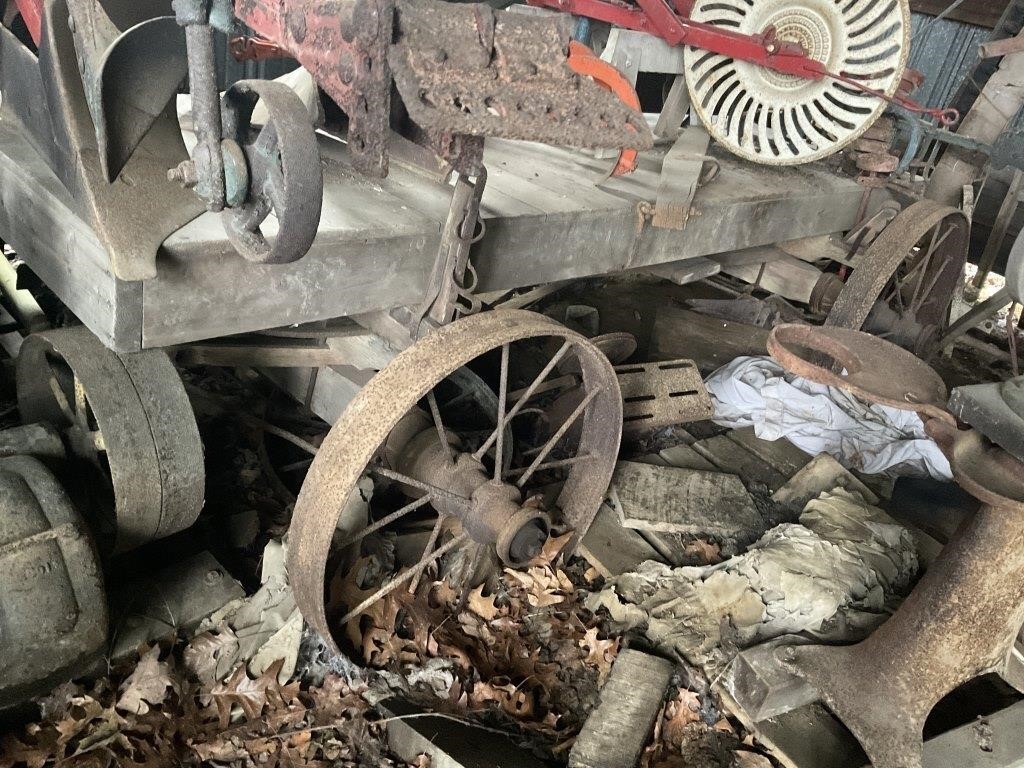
[[273, 168], [393, 441], [128, 424], [902, 286]]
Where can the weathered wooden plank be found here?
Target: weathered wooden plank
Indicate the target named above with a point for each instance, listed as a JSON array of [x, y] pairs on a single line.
[[612, 549], [686, 501], [708, 341], [732, 457], [780, 454], [617, 730], [38, 218]]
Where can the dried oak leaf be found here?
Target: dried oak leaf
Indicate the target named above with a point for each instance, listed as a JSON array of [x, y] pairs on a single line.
[[251, 695], [702, 552], [147, 685], [600, 653], [552, 549], [483, 607], [743, 759], [13, 752], [679, 713], [211, 655]]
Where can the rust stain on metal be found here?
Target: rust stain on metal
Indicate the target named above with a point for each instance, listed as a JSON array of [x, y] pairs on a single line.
[[864, 365], [468, 69]]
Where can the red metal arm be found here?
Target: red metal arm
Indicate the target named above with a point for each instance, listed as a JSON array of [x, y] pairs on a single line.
[[32, 14], [660, 18]]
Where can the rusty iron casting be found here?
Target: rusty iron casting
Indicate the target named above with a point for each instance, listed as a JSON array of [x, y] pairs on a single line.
[[277, 171], [468, 69], [386, 435], [858, 363], [53, 610], [903, 284], [128, 203], [344, 45], [962, 618]]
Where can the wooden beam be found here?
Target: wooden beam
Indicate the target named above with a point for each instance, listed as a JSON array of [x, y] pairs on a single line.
[[982, 13]]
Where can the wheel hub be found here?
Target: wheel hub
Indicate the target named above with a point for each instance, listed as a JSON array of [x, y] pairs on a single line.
[[804, 26], [490, 511]]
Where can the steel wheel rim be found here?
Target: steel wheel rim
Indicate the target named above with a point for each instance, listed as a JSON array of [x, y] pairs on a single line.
[[149, 436], [914, 266], [353, 443]]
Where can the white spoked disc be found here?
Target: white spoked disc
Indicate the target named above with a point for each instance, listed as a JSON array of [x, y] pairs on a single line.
[[777, 119]]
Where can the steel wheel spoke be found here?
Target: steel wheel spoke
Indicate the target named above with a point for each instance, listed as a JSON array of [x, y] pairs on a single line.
[[499, 446], [442, 435], [386, 520], [916, 304], [441, 493], [435, 533], [402, 578], [923, 265], [527, 394], [62, 400], [553, 440], [556, 464], [81, 405]]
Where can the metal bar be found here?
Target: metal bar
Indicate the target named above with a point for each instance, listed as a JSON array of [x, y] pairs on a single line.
[[434, 534], [452, 498], [549, 465], [522, 400], [975, 315], [553, 440], [998, 234], [417, 569], [499, 449], [386, 520], [435, 414]]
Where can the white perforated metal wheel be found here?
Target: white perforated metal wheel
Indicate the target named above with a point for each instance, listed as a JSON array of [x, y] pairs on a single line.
[[778, 119]]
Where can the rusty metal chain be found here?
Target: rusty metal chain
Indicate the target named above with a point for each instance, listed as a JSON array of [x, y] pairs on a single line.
[[449, 296]]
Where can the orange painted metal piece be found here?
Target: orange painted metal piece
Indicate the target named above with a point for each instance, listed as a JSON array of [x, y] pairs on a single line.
[[583, 61]]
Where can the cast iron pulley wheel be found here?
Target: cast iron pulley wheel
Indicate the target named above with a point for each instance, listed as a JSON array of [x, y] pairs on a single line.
[[392, 442], [274, 168], [781, 119], [903, 285], [127, 418]]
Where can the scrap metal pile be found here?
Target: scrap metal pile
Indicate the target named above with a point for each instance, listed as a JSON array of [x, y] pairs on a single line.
[[515, 520]]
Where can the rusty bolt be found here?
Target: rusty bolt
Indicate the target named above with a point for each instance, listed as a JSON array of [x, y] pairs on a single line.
[[184, 173]]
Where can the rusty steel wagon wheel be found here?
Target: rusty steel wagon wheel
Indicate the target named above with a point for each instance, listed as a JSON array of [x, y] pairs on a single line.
[[392, 445], [903, 285], [127, 418]]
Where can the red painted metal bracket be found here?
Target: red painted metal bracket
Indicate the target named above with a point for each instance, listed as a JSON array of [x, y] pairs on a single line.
[[32, 14], [673, 25]]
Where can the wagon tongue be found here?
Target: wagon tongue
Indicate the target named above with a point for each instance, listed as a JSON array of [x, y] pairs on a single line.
[[469, 69]]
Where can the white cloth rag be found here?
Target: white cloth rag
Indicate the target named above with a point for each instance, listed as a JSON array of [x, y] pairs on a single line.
[[874, 439]]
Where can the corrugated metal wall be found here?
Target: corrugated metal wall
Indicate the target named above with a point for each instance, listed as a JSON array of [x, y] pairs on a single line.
[[944, 51]]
